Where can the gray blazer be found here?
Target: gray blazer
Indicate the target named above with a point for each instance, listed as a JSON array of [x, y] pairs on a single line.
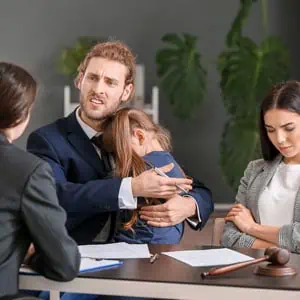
[[256, 177], [29, 212]]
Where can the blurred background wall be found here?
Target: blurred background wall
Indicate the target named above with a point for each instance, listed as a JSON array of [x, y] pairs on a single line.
[[33, 32]]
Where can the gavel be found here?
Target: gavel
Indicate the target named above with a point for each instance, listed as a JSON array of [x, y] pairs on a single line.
[[277, 257]]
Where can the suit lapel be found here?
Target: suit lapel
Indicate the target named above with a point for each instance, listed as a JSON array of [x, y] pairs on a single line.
[[263, 180], [83, 145]]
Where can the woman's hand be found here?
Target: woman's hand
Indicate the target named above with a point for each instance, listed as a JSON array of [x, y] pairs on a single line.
[[241, 217], [29, 253]]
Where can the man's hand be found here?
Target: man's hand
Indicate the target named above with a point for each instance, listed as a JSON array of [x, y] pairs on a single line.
[[29, 253], [241, 217], [174, 211], [151, 185]]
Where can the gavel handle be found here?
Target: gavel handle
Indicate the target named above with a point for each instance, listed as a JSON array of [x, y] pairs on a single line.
[[223, 270]]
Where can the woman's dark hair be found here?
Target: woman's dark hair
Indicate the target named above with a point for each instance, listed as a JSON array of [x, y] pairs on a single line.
[[285, 96], [17, 94]]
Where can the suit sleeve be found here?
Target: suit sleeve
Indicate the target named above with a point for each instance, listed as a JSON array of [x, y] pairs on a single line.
[[92, 197], [56, 256], [289, 237], [232, 236], [203, 197]]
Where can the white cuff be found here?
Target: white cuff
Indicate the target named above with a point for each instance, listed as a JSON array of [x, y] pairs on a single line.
[[126, 199], [194, 221]]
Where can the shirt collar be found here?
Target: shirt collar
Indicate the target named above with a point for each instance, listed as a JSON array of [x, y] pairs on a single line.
[[89, 131]]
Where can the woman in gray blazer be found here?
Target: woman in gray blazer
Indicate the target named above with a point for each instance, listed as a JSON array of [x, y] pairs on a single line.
[[267, 208], [29, 209]]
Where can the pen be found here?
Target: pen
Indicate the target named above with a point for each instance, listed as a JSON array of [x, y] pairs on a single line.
[[154, 258], [93, 258], [161, 173]]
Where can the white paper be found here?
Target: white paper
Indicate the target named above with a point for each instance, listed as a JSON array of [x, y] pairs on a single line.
[[27, 270], [86, 264], [115, 250], [209, 257]]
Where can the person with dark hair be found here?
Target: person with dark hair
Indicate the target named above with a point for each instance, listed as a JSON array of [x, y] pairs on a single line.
[[106, 80], [267, 209], [29, 207]]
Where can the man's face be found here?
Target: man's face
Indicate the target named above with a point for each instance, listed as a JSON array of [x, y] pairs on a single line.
[[102, 89]]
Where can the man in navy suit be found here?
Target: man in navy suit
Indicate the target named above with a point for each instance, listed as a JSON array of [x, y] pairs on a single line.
[[105, 80]]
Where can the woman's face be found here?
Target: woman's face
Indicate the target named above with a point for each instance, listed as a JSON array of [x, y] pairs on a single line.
[[283, 128]]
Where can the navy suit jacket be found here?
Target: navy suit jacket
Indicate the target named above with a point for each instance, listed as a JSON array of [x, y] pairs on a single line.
[[82, 189]]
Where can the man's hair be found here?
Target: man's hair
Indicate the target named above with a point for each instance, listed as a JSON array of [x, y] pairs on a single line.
[[17, 95], [115, 51]]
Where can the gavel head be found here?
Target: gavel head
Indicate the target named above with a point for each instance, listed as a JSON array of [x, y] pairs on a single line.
[[277, 256]]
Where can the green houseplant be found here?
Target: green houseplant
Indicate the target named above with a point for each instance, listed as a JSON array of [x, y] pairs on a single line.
[[248, 70], [181, 74], [70, 58]]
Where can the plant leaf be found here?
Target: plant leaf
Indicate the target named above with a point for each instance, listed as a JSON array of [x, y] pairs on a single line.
[[181, 75], [235, 32], [174, 39], [70, 58], [239, 145], [248, 71]]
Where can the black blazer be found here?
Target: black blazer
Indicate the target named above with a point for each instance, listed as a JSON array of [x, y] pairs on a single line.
[[29, 212]]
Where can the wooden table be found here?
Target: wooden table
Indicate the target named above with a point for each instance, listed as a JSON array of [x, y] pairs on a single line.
[[170, 279]]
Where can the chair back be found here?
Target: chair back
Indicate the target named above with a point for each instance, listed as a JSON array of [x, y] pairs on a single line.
[[218, 229]]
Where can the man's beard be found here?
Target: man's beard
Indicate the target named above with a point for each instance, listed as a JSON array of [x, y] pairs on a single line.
[[98, 115]]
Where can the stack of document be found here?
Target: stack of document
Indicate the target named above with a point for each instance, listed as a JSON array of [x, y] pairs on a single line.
[[115, 250], [209, 257], [98, 257], [86, 265]]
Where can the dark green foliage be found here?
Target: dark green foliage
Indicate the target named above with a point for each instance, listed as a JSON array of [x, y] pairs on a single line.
[[70, 58], [182, 77], [247, 73], [237, 25]]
